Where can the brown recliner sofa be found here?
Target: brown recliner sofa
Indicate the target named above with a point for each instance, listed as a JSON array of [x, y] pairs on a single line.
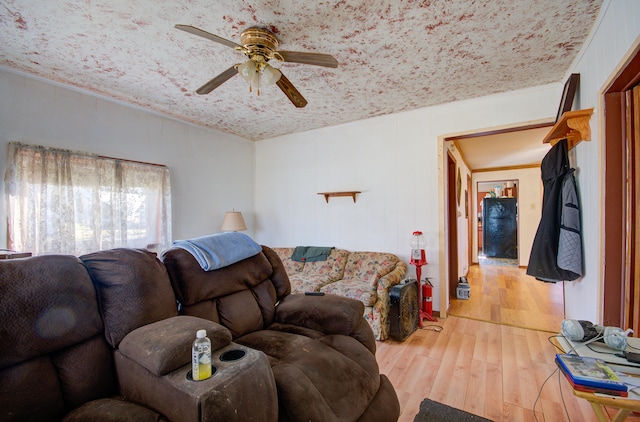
[[321, 349], [54, 355], [100, 338]]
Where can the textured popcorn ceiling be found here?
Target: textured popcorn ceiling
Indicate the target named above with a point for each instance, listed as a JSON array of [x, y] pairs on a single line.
[[393, 55]]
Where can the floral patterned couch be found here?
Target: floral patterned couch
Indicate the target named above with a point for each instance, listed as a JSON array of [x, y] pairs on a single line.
[[365, 276]]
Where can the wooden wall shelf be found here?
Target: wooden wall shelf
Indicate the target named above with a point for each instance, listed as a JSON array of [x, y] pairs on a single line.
[[327, 195], [573, 125]]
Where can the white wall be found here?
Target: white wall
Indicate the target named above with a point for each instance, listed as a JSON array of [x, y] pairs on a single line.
[[615, 34], [211, 172], [529, 206], [396, 162]]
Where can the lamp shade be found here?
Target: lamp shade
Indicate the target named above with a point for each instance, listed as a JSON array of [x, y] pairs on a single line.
[[247, 70], [271, 75], [233, 222]]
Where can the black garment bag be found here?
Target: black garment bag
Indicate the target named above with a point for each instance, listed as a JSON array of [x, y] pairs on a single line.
[[559, 230]]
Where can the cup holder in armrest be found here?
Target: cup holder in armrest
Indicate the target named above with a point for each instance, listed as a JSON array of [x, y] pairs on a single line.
[[190, 374], [227, 356], [232, 355]]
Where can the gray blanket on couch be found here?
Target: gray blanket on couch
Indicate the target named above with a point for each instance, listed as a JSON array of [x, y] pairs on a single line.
[[311, 253]]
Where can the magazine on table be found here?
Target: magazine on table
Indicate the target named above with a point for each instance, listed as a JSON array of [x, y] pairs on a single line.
[[589, 372], [595, 390]]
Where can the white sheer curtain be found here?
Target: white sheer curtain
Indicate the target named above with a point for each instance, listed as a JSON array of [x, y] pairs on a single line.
[[69, 202]]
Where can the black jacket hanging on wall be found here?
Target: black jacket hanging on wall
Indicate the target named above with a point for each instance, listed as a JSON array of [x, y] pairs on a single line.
[[556, 253]]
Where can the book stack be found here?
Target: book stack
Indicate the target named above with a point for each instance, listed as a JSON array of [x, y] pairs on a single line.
[[591, 375]]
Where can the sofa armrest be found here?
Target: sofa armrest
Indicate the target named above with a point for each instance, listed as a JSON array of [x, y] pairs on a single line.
[[386, 282], [242, 378], [329, 314], [164, 346]]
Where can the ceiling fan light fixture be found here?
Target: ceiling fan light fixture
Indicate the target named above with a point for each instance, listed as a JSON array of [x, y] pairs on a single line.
[[271, 75], [250, 72], [258, 74], [260, 45], [256, 82], [247, 70]]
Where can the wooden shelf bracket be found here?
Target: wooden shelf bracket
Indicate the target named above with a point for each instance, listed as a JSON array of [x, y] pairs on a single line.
[[327, 195], [573, 125]]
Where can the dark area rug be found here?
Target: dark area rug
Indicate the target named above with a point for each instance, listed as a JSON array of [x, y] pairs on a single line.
[[432, 411]]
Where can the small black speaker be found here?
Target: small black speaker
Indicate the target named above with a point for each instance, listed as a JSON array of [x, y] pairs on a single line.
[[404, 312]]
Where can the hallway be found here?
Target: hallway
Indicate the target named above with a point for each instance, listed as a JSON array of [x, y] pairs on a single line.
[[507, 295]]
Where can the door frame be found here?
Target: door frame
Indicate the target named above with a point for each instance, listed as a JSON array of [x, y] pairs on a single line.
[[477, 231], [443, 191], [615, 247], [469, 210], [452, 226]]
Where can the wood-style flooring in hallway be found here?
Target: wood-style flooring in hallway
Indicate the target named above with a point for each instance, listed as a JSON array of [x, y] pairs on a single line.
[[507, 295]]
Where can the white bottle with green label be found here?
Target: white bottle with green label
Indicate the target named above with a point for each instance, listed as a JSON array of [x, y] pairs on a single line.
[[201, 357]]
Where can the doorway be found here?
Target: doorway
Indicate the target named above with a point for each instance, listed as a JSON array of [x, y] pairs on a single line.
[[505, 167], [497, 221]]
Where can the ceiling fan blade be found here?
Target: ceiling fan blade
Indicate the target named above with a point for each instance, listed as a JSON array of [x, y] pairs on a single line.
[[291, 92], [217, 81], [318, 59], [197, 31]]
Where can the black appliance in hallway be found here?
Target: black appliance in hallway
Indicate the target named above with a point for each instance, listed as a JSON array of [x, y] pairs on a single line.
[[499, 227]]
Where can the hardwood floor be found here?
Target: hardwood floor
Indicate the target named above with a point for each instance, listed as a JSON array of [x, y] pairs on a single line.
[[507, 295], [486, 368]]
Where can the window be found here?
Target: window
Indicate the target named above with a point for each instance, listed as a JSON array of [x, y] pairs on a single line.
[[69, 202]]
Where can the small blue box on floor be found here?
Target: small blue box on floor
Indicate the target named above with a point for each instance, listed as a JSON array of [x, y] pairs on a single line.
[[463, 290]]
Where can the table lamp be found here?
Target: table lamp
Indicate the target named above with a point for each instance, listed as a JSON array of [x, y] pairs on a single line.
[[233, 222]]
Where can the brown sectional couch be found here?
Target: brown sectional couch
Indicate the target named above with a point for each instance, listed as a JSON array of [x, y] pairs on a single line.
[[364, 276], [100, 337]]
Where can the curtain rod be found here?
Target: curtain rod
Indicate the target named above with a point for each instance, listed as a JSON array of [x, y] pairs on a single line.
[[83, 152], [131, 161]]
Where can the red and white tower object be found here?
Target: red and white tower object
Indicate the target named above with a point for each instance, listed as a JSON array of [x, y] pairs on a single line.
[[425, 291]]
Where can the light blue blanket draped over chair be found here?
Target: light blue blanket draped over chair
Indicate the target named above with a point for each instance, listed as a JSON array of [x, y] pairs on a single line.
[[219, 250]]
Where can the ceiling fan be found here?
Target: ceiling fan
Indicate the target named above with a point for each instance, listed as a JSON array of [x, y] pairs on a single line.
[[260, 45]]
